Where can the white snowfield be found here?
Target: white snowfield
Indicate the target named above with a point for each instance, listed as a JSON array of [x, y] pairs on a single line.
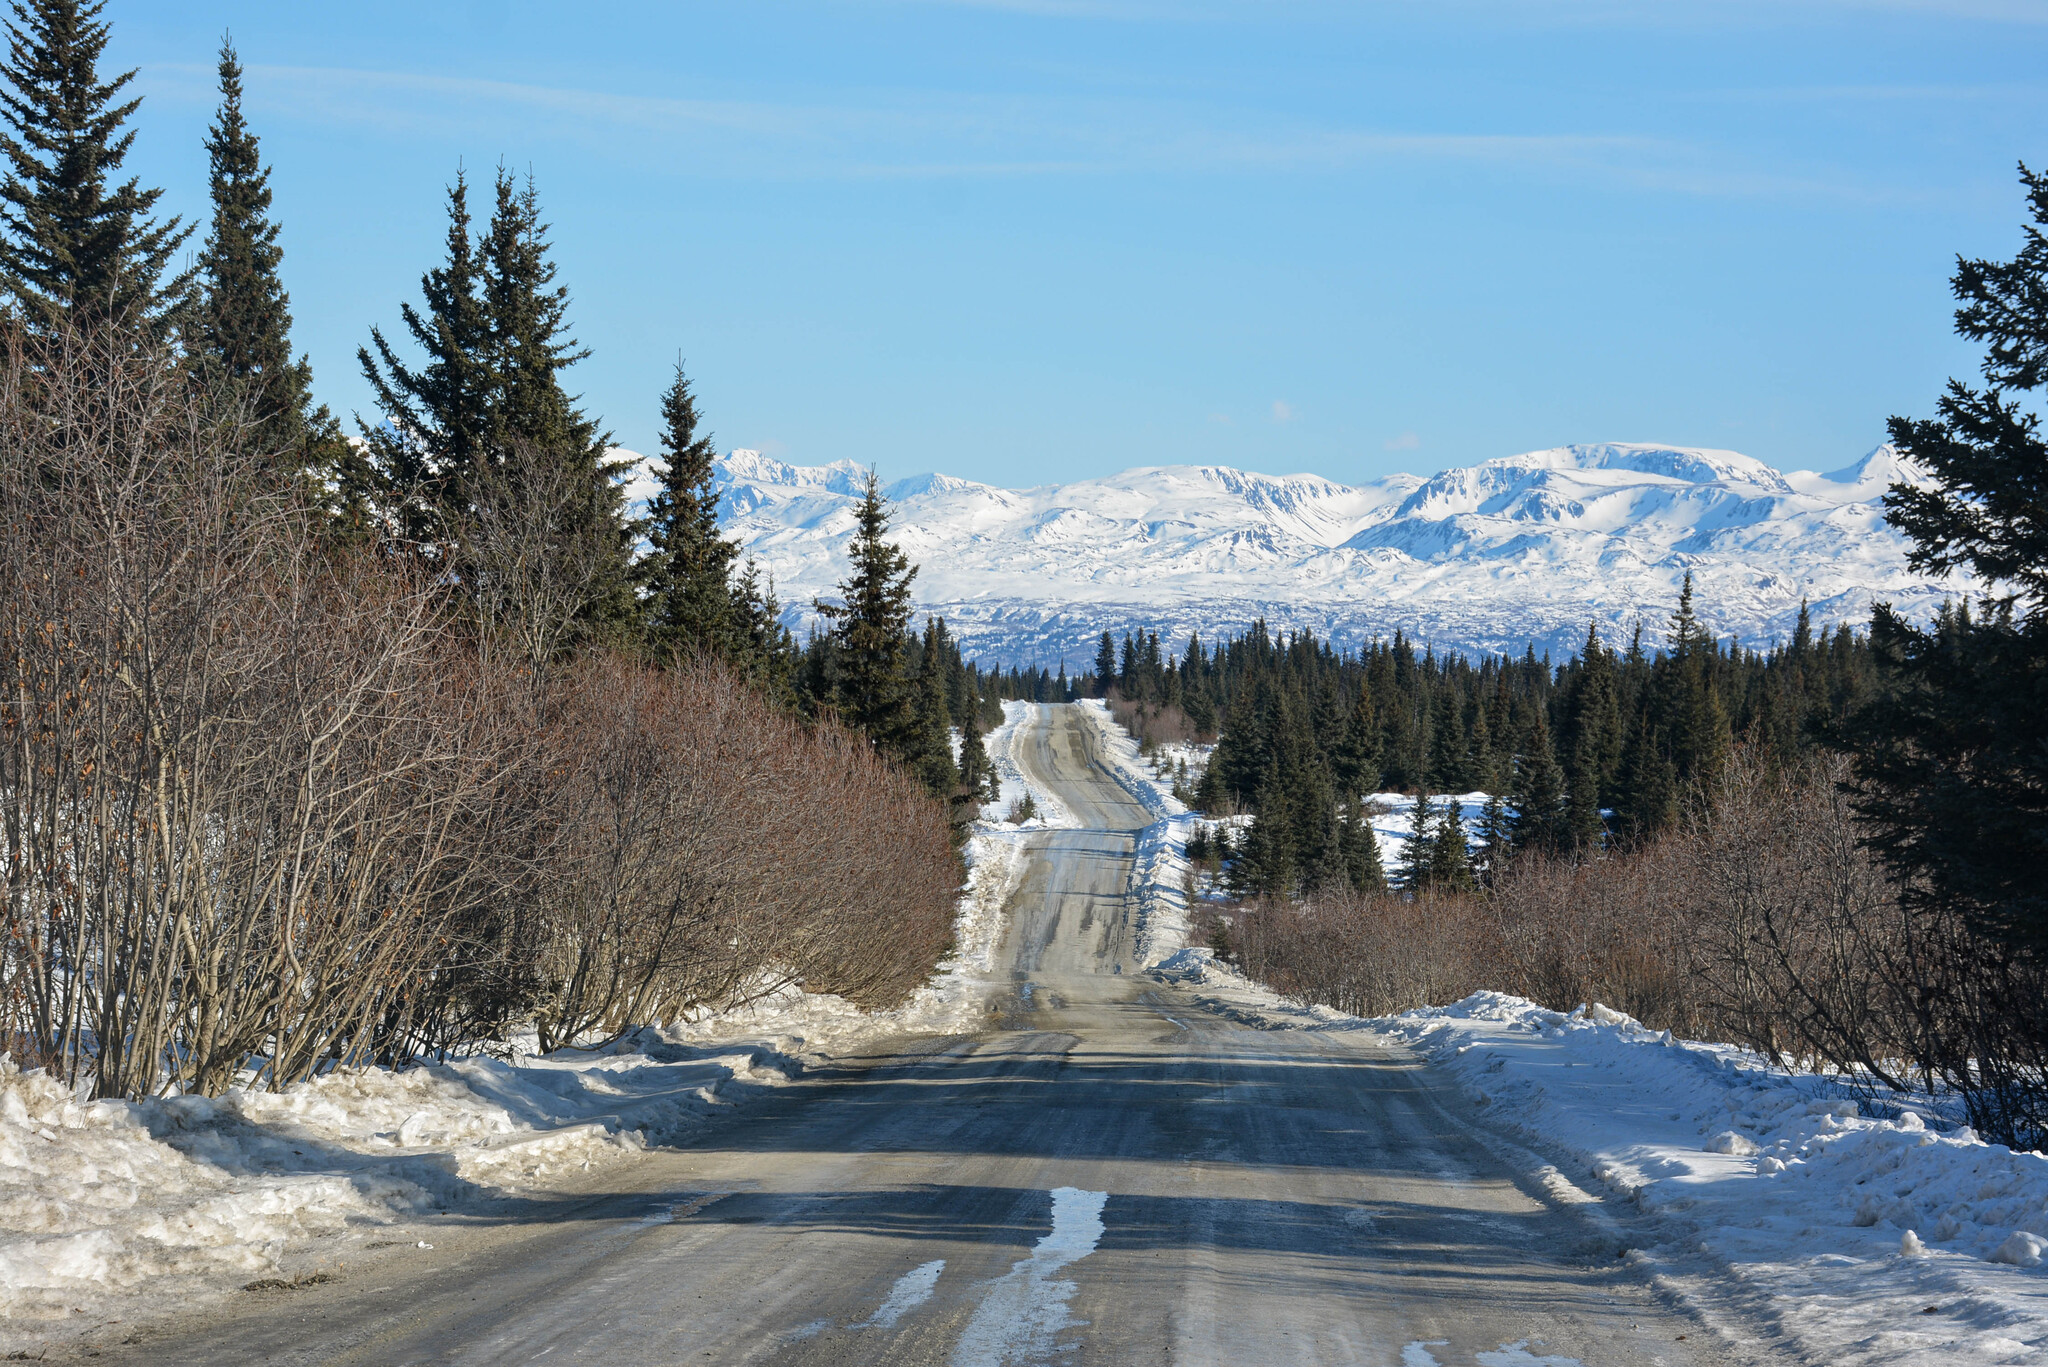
[[1857, 1231], [1488, 558], [110, 1208]]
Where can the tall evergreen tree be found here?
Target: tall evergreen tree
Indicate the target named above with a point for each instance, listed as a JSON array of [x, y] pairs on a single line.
[[1496, 837], [761, 646], [1956, 750], [870, 625], [1355, 759], [1362, 863], [1646, 802], [241, 325], [486, 430], [76, 247], [1539, 797], [1105, 665], [1418, 856], [690, 602], [436, 428], [1700, 734], [928, 749], [1450, 861], [978, 777], [1269, 861]]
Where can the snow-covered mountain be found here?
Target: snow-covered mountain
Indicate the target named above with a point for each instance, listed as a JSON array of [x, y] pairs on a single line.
[[1520, 550]]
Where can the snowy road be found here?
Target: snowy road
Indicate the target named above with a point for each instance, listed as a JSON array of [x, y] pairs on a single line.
[[1108, 1175]]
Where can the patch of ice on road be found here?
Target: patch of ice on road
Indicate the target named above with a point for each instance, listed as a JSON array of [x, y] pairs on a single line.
[[1417, 1354], [1015, 1323], [912, 1289], [1518, 1355]]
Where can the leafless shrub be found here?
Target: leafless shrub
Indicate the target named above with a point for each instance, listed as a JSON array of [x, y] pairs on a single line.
[[1797, 939], [526, 552], [1610, 930], [702, 846], [1762, 921], [266, 804], [1370, 955], [231, 770], [1152, 724]]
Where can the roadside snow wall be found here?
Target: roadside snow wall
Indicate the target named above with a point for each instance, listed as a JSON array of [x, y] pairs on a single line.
[[1783, 1196]]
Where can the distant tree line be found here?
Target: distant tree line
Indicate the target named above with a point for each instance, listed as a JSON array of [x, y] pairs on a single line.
[[1600, 749]]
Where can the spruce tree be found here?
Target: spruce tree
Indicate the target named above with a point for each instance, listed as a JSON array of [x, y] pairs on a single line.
[[1362, 862], [1538, 792], [1700, 736], [486, 428], [1496, 836], [1450, 862], [437, 417], [928, 750], [690, 602], [1268, 863], [1354, 758], [870, 625], [1105, 665], [75, 247], [1647, 801], [1418, 856], [241, 325], [762, 648], [1447, 749], [977, 775], [1954, 751], [1583, 824]]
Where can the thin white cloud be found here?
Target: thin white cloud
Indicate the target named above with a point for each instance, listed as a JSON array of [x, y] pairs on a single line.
[[937, 135], [1407, 441], [1283, 411]]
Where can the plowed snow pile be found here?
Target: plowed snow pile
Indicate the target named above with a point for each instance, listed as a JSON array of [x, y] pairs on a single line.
[[103, 1196], [1841, 1220]]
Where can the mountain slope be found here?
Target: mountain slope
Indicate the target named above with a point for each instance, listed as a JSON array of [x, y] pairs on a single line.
[[1520, 550]]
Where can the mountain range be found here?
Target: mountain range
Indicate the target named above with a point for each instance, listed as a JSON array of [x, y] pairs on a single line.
[[1511, 553]]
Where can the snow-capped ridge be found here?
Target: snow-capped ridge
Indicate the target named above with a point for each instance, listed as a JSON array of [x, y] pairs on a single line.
[[1520, 549]]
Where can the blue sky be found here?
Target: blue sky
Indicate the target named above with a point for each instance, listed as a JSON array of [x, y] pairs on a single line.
[[1035, 240]]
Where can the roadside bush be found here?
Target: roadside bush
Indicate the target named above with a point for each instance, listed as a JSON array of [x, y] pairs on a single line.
[[269, 803]]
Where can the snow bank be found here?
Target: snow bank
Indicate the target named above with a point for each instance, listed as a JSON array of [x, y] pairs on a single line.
[[101, 1197], [1162, 875], [1781, 1194]]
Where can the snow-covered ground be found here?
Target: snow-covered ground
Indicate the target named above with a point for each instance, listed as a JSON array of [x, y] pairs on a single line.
[[1393, 821], [1860, 1230], [113, 1210]]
